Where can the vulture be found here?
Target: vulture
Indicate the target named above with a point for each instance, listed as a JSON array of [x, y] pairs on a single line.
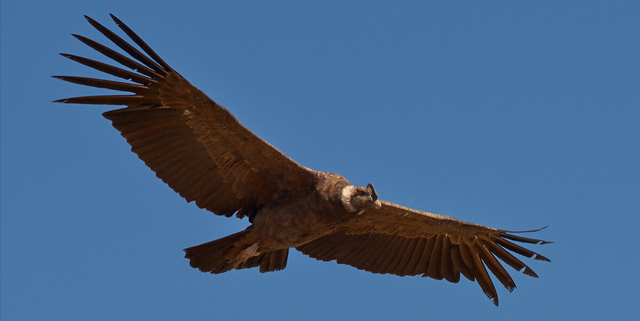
[[206, 155]]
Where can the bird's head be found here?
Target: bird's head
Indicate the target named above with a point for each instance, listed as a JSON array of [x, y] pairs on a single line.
[[359, 198]]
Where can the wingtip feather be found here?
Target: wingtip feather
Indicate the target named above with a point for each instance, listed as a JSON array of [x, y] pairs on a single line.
[[89, 19], [115, 19], [528, 271], [541, 258]]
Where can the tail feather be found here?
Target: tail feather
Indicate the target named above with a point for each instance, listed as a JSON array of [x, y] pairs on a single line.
[[210, 256], [274, 260], [222, 255], [268, 262]]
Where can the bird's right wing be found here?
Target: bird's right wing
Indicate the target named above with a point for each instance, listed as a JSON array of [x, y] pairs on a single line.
[[193, 144], [403, 241]]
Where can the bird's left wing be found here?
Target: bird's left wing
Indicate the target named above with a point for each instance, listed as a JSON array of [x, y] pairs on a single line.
[[404, 241], [192, 143]]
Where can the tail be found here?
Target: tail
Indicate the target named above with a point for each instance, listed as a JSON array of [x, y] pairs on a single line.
[[229, 253]]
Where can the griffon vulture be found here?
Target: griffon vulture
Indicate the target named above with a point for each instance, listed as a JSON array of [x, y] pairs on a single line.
[[204, 154]]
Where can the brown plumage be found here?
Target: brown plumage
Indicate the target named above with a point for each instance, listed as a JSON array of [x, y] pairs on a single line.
[[203, 153]]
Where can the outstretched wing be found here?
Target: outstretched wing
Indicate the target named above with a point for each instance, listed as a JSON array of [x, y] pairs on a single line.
[[403, 241], [193, 144]]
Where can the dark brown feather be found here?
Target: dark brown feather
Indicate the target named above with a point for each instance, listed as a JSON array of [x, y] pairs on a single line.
[[376, 266], [115, 71], [367, 249], [521, 250], [134, 100], [274, 260], [403, 258], [125, 45], [459, 264], [373, 260], [472, 259], [415, 257], [385, 265], [121, 59], [495, 267], [141, 43], [448, 270], [107, 84], [522, 239], [433, 269]]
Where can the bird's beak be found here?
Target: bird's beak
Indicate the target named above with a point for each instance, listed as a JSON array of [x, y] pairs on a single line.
[[377, 204]]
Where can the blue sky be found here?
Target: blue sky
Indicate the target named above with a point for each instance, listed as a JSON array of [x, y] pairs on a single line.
[[511, 114]]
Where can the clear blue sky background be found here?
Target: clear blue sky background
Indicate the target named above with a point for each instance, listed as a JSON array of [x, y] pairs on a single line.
[[512, 114]]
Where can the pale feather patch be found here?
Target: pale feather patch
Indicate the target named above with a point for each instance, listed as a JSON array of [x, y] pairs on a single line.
[[246, 254], [347, 192]]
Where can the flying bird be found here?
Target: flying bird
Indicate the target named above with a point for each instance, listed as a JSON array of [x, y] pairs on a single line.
[[206, 155]]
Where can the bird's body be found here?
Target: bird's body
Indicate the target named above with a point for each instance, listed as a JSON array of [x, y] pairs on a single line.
[[303, 219], [206, 155], [287, 222]]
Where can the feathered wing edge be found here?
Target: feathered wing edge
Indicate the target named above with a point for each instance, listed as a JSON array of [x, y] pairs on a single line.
[[151, 70], [438, 251]]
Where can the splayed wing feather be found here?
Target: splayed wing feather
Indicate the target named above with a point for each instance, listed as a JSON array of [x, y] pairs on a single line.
[[459, 263], [108, 84], [448, 270], [109, 69], [495, 266], [125, 45], [141, 43], [433, 268], [119, 58]]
